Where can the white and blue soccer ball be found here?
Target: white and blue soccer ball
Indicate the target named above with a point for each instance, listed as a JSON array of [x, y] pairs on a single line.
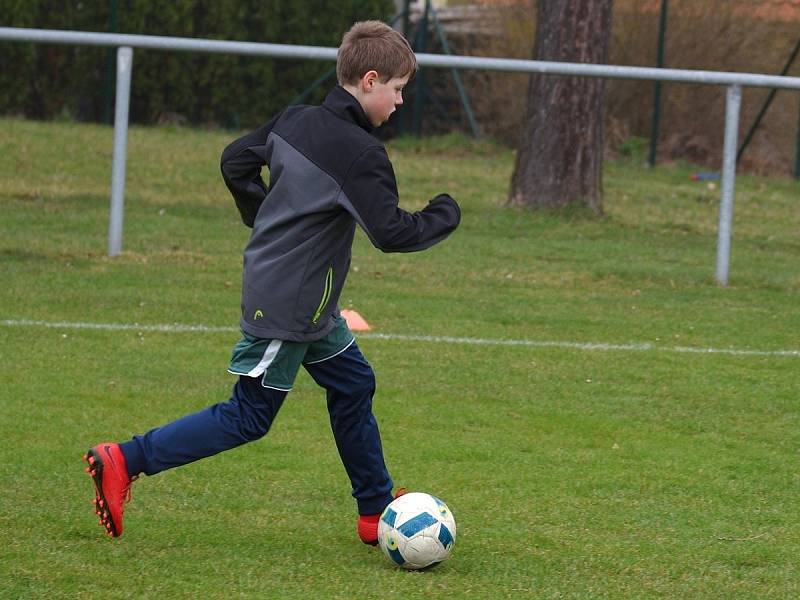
[[417, 531]]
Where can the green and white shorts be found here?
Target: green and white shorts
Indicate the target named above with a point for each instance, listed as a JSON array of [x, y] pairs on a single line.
[[278, 360]]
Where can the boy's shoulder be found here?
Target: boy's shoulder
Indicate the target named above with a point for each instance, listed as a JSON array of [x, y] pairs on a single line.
[[331, 141], [308, 119]]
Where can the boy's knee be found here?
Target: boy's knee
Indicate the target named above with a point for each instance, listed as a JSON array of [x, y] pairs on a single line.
[[355, 386], [256, 408], [365, 382], [254, 427]]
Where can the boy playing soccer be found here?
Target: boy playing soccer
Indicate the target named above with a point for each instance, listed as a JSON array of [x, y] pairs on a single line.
[[326, 174]]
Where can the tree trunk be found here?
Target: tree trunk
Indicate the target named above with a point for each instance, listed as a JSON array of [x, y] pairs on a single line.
[[560, 156]]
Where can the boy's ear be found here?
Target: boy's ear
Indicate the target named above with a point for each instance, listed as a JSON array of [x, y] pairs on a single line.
[[368, 80]]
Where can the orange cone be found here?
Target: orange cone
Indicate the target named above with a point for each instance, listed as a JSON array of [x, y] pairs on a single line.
[[355, 321]]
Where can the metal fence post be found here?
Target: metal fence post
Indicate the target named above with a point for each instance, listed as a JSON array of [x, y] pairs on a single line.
[[124, 67], [656, 119], [797, 153], [733, 102]]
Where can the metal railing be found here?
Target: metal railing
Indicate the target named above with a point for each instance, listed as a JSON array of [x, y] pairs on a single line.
[[126, 42]]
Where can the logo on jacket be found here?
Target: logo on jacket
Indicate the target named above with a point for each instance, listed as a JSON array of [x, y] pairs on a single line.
[[258, 315]]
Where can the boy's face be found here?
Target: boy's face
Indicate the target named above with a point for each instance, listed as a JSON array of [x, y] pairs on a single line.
[[380, 100]]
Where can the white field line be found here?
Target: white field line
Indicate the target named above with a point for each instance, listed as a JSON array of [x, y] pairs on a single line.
[[588, 346]]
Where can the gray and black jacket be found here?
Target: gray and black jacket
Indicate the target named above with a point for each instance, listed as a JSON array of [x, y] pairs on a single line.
[[326, 173]]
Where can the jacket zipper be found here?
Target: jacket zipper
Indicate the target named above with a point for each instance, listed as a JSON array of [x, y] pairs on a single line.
[[326, 295]]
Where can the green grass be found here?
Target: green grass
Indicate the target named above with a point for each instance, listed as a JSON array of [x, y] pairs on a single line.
[[573, 473]]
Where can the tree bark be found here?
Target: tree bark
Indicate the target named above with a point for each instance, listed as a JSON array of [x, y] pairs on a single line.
[[560, 155]]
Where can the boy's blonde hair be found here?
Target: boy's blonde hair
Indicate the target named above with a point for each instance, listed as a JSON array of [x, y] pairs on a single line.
[[373, 45]]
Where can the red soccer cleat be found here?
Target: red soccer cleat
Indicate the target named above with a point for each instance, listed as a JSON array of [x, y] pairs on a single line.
[[368, 524], [112, 485]]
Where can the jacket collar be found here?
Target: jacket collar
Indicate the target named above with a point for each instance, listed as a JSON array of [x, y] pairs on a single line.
[[343, 104]]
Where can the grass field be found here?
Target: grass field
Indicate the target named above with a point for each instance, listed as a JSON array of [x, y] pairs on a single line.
[[639, 441]]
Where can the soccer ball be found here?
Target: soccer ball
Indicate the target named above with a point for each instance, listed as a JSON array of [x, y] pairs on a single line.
[[417, 530]]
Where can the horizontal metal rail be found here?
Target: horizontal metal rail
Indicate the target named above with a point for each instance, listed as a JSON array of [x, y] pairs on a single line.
[[126, 42], [157, 42]]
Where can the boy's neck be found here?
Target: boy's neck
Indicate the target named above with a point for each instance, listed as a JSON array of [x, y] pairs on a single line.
[[354, 91]]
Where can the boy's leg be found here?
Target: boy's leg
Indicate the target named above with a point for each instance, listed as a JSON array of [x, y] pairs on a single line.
[[247, 416], [350, 385]]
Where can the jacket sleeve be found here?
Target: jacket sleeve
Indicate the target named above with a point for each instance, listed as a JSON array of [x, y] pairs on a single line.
[[370, 195], [241, 165]]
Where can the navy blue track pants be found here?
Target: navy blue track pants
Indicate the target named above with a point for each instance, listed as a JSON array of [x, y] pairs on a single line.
[[248, 415]]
